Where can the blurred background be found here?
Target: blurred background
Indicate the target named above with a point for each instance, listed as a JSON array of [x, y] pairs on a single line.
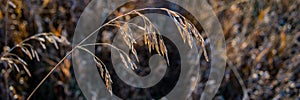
[[262, 42]]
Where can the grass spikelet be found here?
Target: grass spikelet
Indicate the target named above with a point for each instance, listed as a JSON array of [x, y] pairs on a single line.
[[28, 50]]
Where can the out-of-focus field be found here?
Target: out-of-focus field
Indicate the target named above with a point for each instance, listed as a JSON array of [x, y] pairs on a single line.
[[262, 42]]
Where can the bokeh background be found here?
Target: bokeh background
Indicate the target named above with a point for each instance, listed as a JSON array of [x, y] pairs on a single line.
[[262, 41]]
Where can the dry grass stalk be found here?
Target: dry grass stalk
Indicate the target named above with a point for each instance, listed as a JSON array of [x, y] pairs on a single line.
[[152, 38]]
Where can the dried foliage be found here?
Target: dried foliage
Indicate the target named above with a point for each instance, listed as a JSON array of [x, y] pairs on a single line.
[[262, 42], [262, 50]]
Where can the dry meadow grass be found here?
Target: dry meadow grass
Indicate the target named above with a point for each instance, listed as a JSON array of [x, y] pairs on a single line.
[[262, 41]]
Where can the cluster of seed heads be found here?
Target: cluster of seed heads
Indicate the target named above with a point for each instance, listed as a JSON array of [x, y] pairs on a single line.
[[187, 30], [14, 61], [152, 39]]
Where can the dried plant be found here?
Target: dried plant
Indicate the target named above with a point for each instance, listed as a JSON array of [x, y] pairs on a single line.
[[261, 35], [152, 39]]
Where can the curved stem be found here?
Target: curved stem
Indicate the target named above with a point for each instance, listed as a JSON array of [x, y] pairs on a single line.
[[86, 50], [240, 80]]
